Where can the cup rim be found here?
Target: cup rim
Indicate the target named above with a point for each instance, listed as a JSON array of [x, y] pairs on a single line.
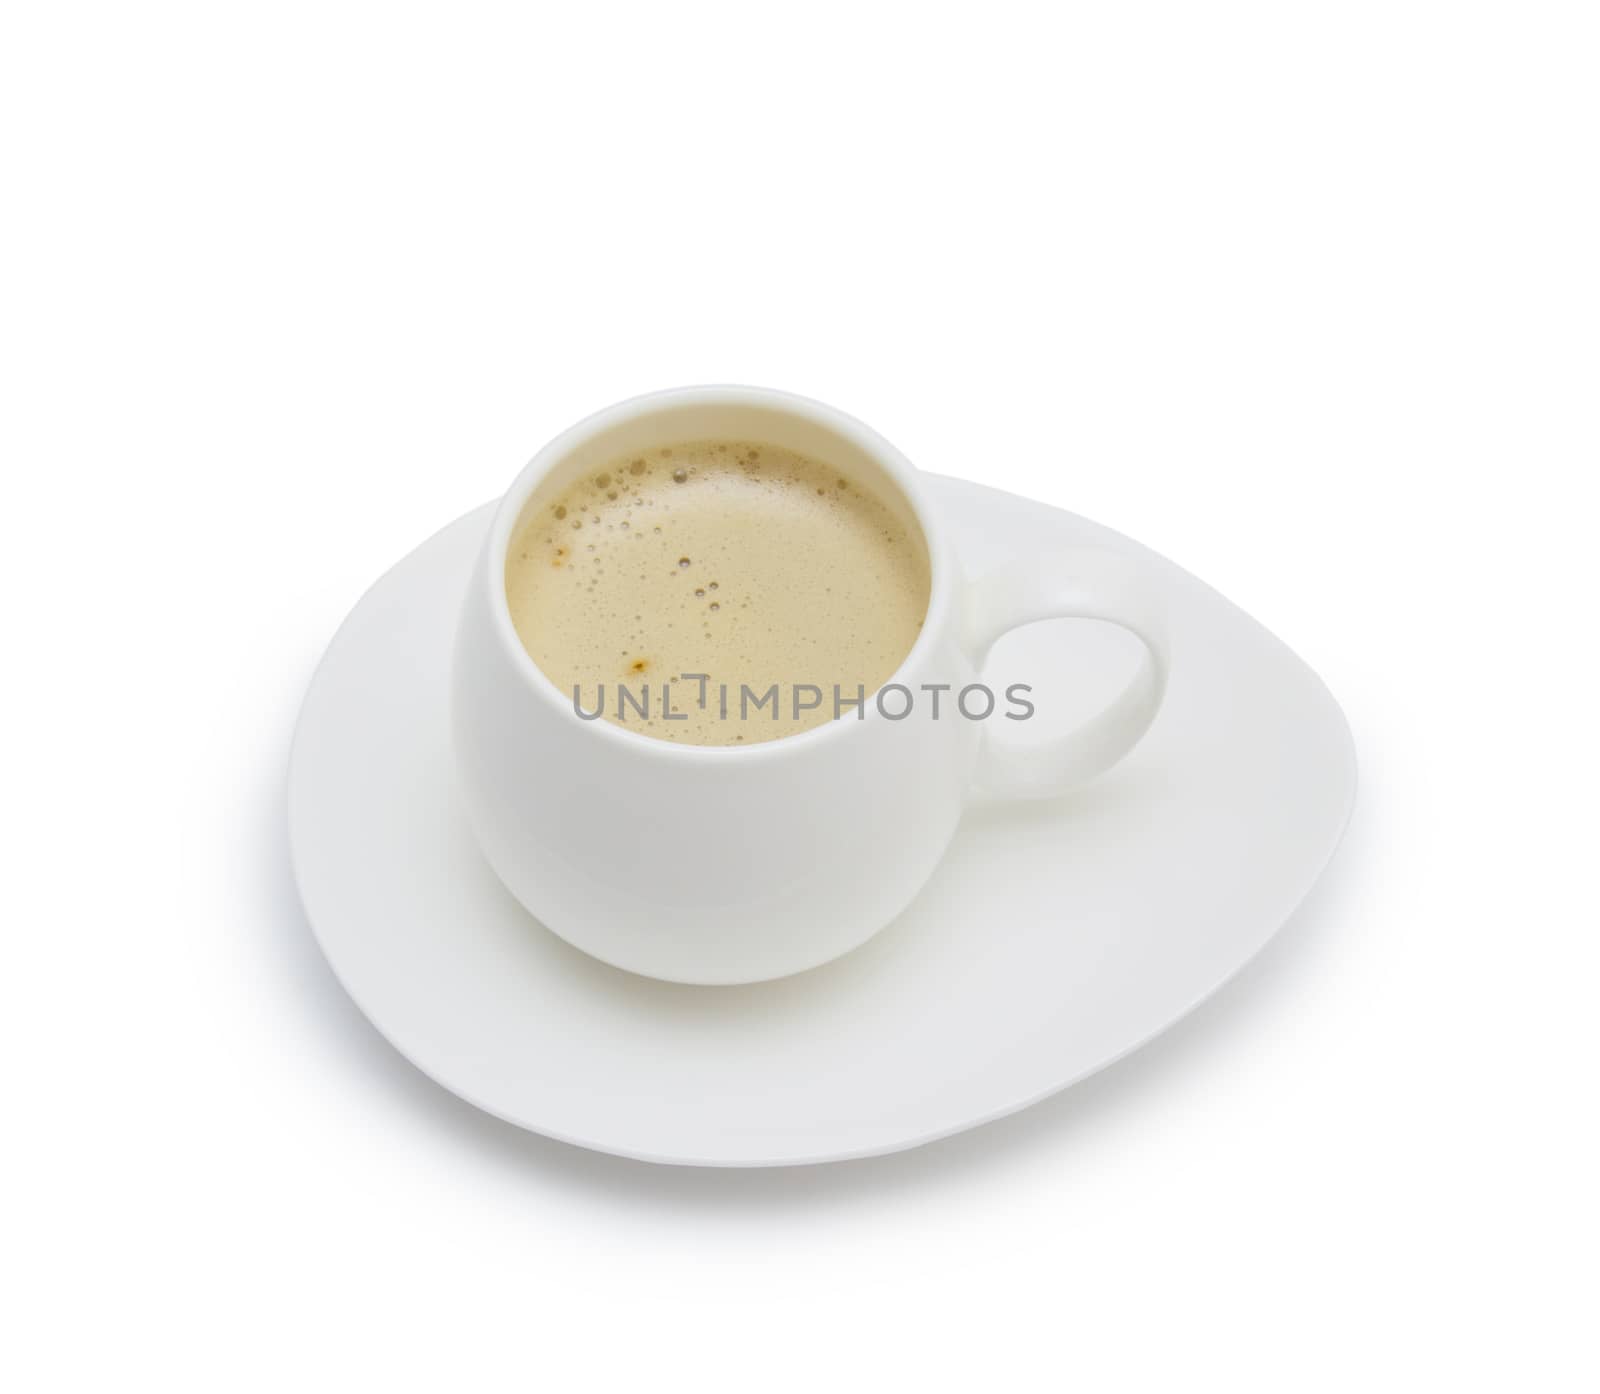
[[902, 474]]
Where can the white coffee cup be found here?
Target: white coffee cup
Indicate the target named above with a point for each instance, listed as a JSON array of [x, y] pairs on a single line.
[[735, 864]]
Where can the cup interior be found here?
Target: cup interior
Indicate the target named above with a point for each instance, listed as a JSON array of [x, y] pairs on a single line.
[[682, 416]]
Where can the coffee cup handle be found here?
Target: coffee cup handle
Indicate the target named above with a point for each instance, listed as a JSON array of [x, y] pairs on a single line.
[[1072, 583]]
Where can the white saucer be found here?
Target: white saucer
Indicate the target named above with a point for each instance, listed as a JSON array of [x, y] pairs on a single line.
[[1054, 939]]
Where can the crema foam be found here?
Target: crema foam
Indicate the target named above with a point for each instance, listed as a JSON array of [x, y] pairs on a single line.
[[749, 564]]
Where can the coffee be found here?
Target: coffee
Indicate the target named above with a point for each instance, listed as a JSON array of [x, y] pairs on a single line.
[[754, 566]]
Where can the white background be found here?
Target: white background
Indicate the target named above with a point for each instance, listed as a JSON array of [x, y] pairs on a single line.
[[1304, 296]]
